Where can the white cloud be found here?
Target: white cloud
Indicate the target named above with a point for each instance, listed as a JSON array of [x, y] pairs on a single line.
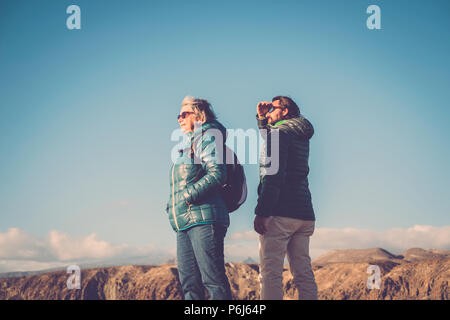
[[18, 245], [396, 240], [21, 251], [249, 235], [124, 203], [66, 248]]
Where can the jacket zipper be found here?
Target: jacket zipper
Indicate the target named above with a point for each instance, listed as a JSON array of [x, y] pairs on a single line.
[[173, 199]]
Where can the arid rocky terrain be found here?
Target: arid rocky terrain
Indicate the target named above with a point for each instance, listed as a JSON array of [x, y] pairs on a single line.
[[340, 274]]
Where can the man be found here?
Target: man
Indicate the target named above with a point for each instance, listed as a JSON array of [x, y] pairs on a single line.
[[285, 217]]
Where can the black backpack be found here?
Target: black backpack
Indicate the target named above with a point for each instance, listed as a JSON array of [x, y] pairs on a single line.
[[234, 191]]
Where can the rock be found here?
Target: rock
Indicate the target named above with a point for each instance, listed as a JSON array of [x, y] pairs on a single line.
[[339, 275]]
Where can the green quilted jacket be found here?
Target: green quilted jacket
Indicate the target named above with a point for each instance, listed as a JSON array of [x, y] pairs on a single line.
[[195, 179]]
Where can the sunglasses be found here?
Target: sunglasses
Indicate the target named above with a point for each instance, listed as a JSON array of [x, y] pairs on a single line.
[[272, 108], [184, 115]]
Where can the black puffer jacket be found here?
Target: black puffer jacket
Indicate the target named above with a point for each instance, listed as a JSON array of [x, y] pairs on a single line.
[[286, 191]]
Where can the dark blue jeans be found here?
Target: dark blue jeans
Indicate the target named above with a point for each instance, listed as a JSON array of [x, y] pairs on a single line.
[[201, 262]]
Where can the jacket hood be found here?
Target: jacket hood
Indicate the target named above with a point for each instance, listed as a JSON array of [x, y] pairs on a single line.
[[299, 126]]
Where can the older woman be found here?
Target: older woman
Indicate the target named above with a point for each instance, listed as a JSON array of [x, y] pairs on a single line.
[[196, 209]]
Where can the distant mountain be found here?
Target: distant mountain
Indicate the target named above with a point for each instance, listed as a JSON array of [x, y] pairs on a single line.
[[340, 275], [378, 254], [415, 254], [154, 259], [355, 256], [17, 274], [249, 260]]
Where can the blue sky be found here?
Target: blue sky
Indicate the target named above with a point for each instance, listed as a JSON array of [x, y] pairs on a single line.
[[86, 115]]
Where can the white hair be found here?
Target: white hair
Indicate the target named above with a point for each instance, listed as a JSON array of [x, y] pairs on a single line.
[[201, 107], [188, 101]]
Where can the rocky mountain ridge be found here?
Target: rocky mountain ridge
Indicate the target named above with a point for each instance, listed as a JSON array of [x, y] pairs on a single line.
[[340, 274]]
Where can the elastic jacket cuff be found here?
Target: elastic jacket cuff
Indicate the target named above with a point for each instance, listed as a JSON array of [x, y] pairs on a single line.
[[261, 122]]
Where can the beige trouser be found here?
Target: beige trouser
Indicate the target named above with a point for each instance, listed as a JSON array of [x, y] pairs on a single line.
[[291, 236]]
